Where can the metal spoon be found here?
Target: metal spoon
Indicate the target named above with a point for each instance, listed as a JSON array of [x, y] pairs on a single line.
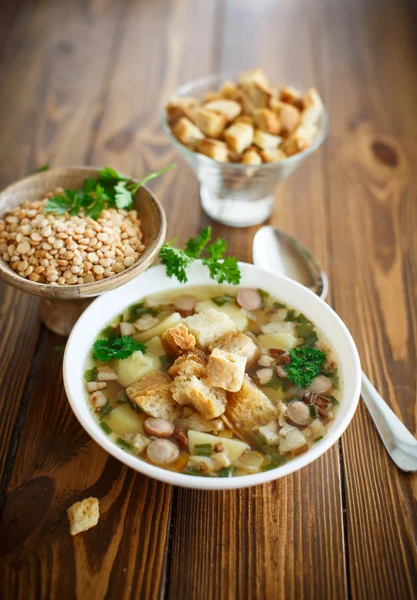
[[278, 252]]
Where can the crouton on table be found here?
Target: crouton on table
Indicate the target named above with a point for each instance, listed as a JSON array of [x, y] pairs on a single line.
[[226, 370], [153, 396], [83, 515], [238, 343], [208, 326], [249, 408], [178, 340]]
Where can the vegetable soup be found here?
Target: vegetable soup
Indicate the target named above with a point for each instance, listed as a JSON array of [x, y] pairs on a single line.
[[213, 381]]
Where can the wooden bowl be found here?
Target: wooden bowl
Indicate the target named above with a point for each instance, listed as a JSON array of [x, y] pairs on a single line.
[[61, 305]]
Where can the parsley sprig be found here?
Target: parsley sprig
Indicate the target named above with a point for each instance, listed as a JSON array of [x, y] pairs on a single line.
[[221, 269], [306, 363], [110, 190], [118, 348]]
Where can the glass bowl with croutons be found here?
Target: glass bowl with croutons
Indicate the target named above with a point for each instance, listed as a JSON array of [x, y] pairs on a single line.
[[242, 136]]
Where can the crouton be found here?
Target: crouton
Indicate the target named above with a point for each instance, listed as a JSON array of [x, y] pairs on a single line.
[[238, 343], [226, 370], [186, 132], [267, 120], [244, 119], [249, 408], [239, 136], [210, 123], [229, 108], [253, 76], [181, 107], [266, 141], [300, 140], [272, 155], [290, 119], [208, 401], [229, 90], [212, 95], [213, 149], [178, 340], [259, 94], [191, 363], [292, 96], [208, 326], [251, 157], [234, 156], [313, 108], [181, 102], [83, 515], [153, 396]]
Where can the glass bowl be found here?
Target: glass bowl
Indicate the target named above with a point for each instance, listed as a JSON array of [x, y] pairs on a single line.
[[236, 195]]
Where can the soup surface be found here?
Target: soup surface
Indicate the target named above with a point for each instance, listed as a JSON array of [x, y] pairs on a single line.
[[213, 381]]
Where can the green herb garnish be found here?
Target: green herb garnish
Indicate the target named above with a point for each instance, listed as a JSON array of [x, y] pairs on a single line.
[[110, 190], [90, 375], [106, 349], [123, 444], [306, 363], [264, 295], [40, 169], [305, 330], [317, 439], [106, 410], [105, 427], [290, 315], [121, 397], [274, 455], [278, 305], [269, 467], [203, 449], [166, 361], [313, 411], [138, 310], [222, 300], [221, 269], [333, 399], [275, 383], [60, 349], [226, 471]]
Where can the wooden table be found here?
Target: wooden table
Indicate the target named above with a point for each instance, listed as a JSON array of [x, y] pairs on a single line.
[[82, 83]]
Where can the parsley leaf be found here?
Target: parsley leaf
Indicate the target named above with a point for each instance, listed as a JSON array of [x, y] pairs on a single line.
[[110, 174], [123, 197], [221, 269], [195, 246], [59, 204], [119, 348], [135, 186], [175, 261], [306, 363], [40, 169]]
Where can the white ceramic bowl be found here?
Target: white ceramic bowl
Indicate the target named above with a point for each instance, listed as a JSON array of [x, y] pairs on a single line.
[[107, 306]]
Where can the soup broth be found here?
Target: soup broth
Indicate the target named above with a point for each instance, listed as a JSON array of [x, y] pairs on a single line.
[[213, 381]]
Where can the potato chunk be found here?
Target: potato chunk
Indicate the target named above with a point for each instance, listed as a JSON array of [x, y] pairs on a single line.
[[233, 448]]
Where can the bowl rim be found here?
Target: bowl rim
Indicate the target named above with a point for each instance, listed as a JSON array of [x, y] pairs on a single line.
[[84, 290], [103, 303], [185, 87]]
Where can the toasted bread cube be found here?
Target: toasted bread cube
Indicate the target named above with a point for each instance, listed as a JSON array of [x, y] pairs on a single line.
[[301, 139], [253, 76], [249, 408], [259, 94], [210, 123], [244, 119], [178, 340], [209, 326], [292, 96], [226, 370], [238, 343], [266, 141], [239, 136], [208, 401], [180, 107], [153, 396], [186, 132], [313, 108], [214, 149], [83, 515], [233, 156], [229, 108], [251, 157], [267, 120], [189, 364], [290, 119], [229, 90], [213, 95], [272, 155]]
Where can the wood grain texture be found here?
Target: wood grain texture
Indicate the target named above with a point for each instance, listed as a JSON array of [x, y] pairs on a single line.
[[371, 189], [89, 91]]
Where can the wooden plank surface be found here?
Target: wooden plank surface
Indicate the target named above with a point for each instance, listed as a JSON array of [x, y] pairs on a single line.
[[89, 91]]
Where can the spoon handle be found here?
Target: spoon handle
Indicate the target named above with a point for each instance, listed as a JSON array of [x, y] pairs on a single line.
[[401, 445]]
